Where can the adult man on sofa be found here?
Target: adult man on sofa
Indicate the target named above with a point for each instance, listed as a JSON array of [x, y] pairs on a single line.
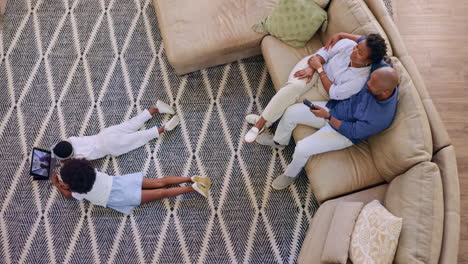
[[341, 123]]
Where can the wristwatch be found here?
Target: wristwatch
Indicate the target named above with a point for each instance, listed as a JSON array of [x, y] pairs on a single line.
[[329, 117], [320, 70]]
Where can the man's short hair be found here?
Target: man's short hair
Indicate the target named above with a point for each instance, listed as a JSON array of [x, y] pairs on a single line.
[[63, 149], [377, 45], [79, 174]]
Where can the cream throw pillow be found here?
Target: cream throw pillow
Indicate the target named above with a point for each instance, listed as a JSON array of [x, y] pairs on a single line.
[[375, 235]]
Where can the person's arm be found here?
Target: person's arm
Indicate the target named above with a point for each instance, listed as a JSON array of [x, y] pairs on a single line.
[[346, 90], [326, 54], [339, 36], [316, 64], [65, 192], [356, 129], [321, 112], [322, 56]]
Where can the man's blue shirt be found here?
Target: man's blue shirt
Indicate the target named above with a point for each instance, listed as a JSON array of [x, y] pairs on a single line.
[[362, 115]]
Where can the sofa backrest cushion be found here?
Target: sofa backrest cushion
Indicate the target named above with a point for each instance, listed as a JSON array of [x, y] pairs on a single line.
[[352, 16], [408, 140], [417, 197]]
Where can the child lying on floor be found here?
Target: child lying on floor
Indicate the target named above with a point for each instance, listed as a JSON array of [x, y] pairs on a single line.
[[115, 140], [121, 193]]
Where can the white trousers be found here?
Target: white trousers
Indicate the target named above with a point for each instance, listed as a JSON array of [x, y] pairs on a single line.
[[289, 94], [324, 140], [125, 137]]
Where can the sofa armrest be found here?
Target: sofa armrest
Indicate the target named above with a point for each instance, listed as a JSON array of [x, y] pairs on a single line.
[[417, 197], [447, 163]]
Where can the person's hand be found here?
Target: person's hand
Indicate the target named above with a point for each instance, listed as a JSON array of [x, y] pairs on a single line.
[[314, 62], [332, 41], [54, 177], [306, 73], [64, 186], [321, 112]]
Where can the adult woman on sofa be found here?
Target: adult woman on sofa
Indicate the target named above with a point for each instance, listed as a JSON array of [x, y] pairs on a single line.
[[341, 67]]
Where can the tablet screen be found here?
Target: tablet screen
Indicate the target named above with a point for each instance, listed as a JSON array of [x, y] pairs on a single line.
[[40, 163]]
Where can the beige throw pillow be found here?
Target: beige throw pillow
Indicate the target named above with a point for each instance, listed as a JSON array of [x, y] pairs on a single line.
[[339, 235], [375, 235]]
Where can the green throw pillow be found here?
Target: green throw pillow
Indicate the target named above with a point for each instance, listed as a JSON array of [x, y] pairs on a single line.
[[293, 21]]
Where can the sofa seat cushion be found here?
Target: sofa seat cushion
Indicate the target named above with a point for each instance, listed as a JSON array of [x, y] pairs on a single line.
[[340, 172], [312, 247], [417, 197], [352, 16], [204, 33], [408, 140]]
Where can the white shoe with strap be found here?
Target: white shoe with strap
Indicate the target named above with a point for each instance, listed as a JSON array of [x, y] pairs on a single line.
[[253, 119], [203, 180], [252, 134], [164, 108], [201, 189], [171, 124]]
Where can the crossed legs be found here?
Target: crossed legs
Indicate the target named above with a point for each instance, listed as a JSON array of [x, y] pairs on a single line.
[[151, 192]]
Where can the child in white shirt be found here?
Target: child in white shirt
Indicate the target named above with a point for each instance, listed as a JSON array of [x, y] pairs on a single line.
[[121, 193], [115, 140]]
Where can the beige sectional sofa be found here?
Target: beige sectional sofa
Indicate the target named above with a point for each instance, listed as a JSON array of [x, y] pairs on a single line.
[[410, 167]]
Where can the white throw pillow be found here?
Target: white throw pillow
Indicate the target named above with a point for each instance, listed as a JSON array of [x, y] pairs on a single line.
[[375, 235]]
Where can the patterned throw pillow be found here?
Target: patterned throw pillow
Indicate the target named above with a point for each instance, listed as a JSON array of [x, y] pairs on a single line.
[[375, 235], [293, 21]]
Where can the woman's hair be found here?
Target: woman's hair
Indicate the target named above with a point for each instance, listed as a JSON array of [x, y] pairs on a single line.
[[377, 45], [63, 149], [79, 174]]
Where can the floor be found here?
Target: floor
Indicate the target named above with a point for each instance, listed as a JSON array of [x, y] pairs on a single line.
[[436, 33]]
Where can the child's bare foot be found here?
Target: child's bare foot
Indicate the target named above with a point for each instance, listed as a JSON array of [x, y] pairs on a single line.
[[161, 130], [164, 108], [153, 111]]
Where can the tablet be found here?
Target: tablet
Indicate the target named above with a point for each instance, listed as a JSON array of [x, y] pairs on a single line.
[[42, 164]]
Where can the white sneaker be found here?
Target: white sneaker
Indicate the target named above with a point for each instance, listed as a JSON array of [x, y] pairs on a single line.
[[201, 189], [252, 134], [267, 140], [253, 119], [282, 182], [164, 108], [171, 124]]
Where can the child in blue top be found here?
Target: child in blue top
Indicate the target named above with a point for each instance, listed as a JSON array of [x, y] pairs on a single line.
[[121, 193]]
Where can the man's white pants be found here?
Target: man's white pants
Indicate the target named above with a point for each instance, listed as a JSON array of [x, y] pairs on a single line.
[[125, 137], [289, 94], [324, 140]]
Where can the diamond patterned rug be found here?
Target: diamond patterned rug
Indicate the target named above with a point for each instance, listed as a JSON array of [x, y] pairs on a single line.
[[75, 67]]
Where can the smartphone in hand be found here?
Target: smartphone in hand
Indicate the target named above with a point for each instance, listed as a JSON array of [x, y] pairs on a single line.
[[310, 104]]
